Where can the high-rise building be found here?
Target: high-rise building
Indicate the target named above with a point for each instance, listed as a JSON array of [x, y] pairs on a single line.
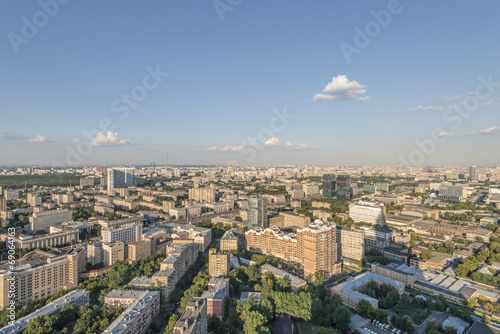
[[351, 244], [11, 194], [343, 188], [202, 194], [473, 173], [124, 233], [257, 212], [139, 249], [314, 246], [42, 221], [368, 212], [113, 252], [34, 199], [95, 253], [121, 178], [329, 185], [3, 204], [218, 263]]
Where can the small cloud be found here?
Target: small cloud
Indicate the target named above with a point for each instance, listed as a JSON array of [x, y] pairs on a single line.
[[340, 88], [9, 135], [364, 98], [438, 108], [272, 142], [233, 148], [445, 134], [491, 130], [456, 97], [109, 139], [76, 141], [38, 139], [296, 147]]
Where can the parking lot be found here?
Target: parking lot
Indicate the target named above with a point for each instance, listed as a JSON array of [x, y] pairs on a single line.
[[377, 330]]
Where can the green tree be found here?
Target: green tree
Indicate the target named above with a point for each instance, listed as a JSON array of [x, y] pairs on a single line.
[[365, 308]]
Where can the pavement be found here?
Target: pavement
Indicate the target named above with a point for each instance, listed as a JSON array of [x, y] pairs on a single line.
[[283, 325], [437, 317]]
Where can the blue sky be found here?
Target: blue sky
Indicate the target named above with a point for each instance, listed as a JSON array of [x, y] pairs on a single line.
[[228, 78]]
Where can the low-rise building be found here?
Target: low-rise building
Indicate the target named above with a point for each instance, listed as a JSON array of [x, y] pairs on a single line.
[[76, 297], [218, 290], [141, 308], [350, 293], [295, 282]]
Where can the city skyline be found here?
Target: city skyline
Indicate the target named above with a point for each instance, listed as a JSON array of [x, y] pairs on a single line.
[[218, 86]]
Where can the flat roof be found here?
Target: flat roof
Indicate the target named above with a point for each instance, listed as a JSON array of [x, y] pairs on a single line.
[[283, 274]]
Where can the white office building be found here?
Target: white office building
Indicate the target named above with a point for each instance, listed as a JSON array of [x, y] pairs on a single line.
[[125, 233], [368, 212], [121, 178]]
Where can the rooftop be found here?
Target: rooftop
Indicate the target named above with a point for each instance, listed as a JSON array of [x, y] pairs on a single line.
[[294, 280], [128, 317]]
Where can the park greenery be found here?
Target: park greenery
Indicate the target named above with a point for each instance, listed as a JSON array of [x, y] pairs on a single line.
[[43, 180]]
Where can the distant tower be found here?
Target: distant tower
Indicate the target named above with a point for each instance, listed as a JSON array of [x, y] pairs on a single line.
[[473, 174], [329, 185], [343, 188], [257, 212]]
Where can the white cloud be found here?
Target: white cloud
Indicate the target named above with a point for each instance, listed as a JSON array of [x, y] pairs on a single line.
[[272, 143], [76, 141], [14, 136], [109, 139], [340, 88], [491, 130], [438, 108], [233, 148], [364, 98], [38, 139], [456, 97], [446, 134]]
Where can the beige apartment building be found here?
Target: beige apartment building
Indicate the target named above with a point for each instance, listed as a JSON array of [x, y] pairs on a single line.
[[314, 246], [26, 241], [179, 258], [288, 219], [218, 263], [112, 252], [320, 214], [351, 243], [139, 250], [202, 194], [33, 199], [229, 241], [39, 275]]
